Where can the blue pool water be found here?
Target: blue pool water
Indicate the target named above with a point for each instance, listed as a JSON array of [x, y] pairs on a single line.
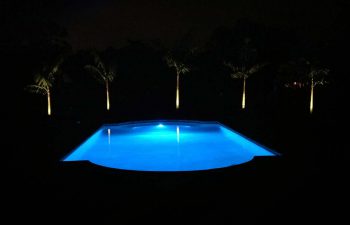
[[167, 146]]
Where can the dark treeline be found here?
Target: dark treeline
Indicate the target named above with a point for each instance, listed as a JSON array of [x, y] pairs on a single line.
[[144, 83]]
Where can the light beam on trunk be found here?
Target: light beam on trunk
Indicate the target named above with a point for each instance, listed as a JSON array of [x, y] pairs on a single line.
[[243, 96]]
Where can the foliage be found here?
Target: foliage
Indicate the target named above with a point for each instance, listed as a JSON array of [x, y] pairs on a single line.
[[100, 71], [179, 66], [243, 72], [45, 79], [300, 72]]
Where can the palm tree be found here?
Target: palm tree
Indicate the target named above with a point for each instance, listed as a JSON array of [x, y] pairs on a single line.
[[243, 73], [103, 74], [44, 82], [180, 68], [317, 76], [301, 73]]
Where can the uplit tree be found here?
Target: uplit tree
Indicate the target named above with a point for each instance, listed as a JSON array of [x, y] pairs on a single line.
[[302, 73], [317, 76], [103, 74], [180, 68], [243, 73], [44, 81]]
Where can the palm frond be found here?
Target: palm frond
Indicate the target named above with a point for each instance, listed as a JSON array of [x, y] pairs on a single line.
[[170, 61], [229, 65], [180, 67], [43, 81], [36, 89], [100, 71], [99, 63], [96, 73], [319, 73], [101, 67], [255, 68], [236, 71], [184, 70], [52, 71], [319, 76], [239, 75], [110, 76], [243, 72]]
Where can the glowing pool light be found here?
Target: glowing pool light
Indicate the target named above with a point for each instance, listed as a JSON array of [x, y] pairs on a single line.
[[160, 125], [177, 146]]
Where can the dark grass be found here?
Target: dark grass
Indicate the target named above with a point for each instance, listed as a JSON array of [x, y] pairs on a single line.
[[305, 184]]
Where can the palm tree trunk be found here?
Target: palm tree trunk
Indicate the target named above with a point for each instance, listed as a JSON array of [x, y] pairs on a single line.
[[107, 95], [243, 96], [177, 90], [48, 103], [312, 96]]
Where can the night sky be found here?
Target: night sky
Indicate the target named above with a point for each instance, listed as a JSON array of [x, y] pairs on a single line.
[[104, 23]]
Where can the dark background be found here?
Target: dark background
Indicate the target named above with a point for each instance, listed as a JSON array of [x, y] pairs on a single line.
[[306, 184]]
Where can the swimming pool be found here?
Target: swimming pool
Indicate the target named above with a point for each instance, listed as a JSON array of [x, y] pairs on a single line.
[[167, 146]]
